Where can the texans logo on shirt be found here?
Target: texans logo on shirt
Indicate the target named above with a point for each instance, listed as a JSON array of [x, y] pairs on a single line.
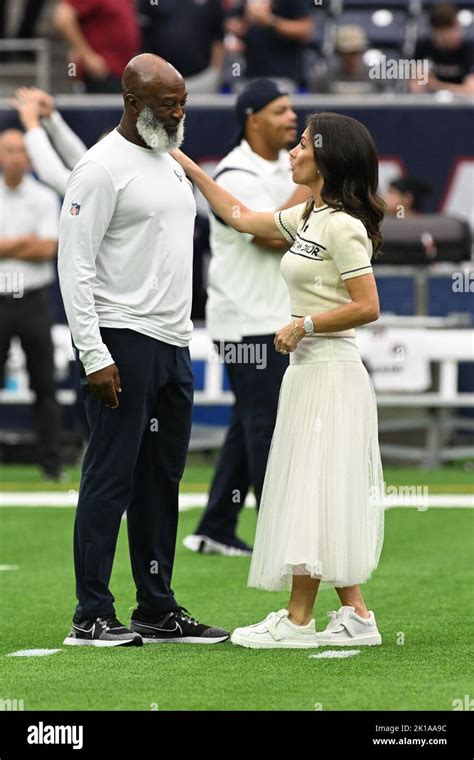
[[74, 209], [307, 249]]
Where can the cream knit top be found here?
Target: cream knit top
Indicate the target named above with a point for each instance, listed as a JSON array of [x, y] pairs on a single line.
[[330, 247]]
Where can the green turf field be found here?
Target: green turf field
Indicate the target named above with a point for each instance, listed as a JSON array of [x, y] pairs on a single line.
[[422, 594]]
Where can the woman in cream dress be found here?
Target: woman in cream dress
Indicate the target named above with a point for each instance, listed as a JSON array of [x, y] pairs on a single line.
[[321, 516]]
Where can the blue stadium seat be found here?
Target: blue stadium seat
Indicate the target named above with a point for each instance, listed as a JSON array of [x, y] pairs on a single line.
[[384, 28], [443, 299], [396, 293], [198, 370], [320, 27], [466, 17], [423, 29], [460, 4], [406, 5]]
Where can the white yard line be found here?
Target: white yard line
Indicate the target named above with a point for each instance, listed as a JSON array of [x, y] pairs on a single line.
[[334, 653], [58, 500], [33, 652]]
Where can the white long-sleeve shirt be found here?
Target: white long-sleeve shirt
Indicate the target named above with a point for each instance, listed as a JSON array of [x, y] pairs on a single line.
[[54, 149], [125, 247]]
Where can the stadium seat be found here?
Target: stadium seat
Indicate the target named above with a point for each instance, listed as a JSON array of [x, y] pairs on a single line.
[[466, 19], [321, 24], [423, 26], [384, 28], [397, 293], [425, 239], [444, 299], [406, 5], [459, 5]]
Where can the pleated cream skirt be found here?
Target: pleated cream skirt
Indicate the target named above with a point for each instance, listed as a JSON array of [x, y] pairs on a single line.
[[321, 511]]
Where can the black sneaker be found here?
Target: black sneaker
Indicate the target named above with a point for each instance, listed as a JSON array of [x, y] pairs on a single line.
[[104, 631], [202, 544], [55, 474], [177, 627]]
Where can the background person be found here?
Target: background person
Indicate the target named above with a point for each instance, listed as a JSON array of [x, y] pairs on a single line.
[[348, 74], [406, 195], [103, 35], [247, 301], [450, 56], [275, 33], [53, 148], [28, 243], [190, 36]]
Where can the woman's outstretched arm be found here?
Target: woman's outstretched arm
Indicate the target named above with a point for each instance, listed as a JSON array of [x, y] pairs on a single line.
[[230, 209]]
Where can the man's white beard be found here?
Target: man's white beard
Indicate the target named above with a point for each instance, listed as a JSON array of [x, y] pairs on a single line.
[[153, 133]]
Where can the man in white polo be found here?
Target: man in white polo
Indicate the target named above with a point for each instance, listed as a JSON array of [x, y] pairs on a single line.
[[28, 242], [125, 268], [247, 303]]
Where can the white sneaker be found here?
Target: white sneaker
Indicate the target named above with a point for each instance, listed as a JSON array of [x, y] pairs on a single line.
[[206, 545], [276, 631], [347, 629]]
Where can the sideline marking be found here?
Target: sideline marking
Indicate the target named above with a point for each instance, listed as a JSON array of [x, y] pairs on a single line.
[[194, 500]]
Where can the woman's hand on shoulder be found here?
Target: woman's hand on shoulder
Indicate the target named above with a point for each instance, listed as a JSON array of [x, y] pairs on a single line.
[[182, 159]]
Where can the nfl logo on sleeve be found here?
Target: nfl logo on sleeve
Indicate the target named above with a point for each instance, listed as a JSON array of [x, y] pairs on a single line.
[[74, 209]]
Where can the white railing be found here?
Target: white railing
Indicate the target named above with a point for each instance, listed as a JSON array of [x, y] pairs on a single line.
[[40, 67]]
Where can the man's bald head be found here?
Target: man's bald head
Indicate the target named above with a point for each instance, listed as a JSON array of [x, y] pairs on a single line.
[[12, 137], [13, 156], [147, 74]]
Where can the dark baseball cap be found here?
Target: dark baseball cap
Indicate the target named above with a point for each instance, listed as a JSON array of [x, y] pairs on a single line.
[[255, 96]]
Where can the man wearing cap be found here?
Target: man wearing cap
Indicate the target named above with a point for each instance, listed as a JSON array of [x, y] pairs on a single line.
[[349, 74], [247, 301]]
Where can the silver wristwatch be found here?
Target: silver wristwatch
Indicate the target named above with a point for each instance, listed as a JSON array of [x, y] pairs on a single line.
[[308, 326]]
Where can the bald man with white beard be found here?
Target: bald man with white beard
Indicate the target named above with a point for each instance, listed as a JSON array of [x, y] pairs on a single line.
[[125, 269]]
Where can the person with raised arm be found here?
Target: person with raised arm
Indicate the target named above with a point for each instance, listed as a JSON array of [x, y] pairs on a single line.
[[53, 147], [247, 300], [321, 516]]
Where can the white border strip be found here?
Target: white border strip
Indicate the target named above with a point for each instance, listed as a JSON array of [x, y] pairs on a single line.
[[187, 501]]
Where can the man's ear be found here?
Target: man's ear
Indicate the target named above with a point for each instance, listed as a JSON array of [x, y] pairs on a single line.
[[131, 103], [253, 123]]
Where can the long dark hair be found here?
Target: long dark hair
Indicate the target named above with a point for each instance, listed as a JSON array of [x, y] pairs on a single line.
[[346, 158]]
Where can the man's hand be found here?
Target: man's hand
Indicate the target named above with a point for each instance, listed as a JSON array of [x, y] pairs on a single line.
[[28, 248], [259, 13], [105, 384], [236, 26], [44, 100], [12, 248], [28, 109], [95, 65]]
